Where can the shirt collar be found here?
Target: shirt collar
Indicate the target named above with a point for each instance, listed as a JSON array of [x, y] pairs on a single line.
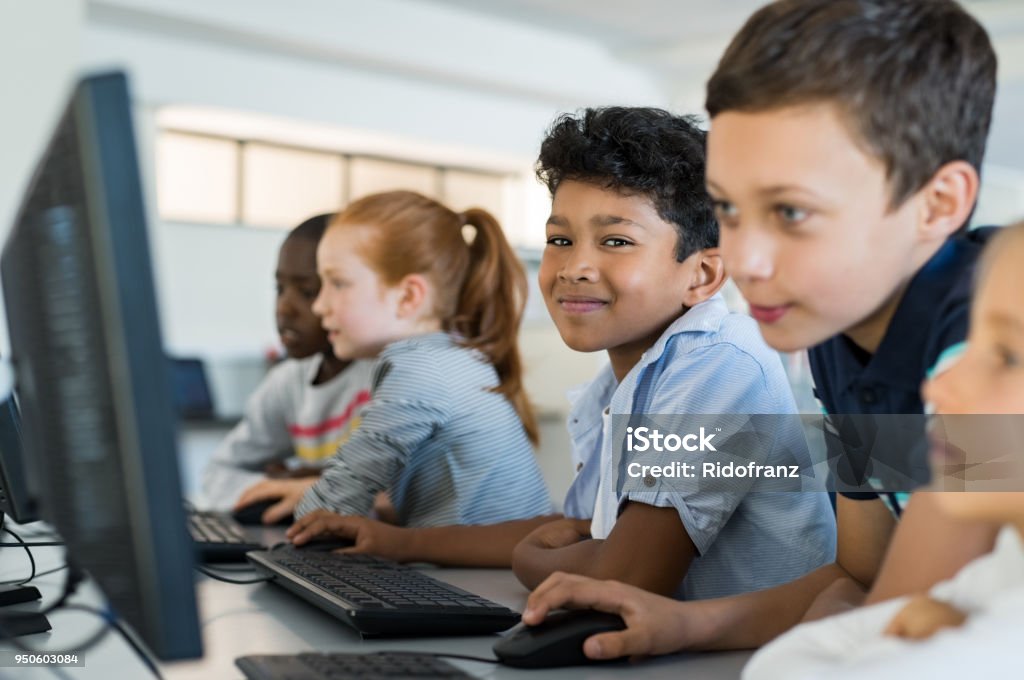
[[589, 400]]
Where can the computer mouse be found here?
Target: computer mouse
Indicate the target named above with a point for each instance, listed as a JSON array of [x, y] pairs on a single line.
[[252, 514], [558, 641]]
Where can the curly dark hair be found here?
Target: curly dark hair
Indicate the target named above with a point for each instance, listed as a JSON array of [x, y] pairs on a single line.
[[637, 151]]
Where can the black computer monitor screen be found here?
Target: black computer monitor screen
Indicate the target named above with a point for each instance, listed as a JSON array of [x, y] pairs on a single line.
[[91, 374], [17, 499]]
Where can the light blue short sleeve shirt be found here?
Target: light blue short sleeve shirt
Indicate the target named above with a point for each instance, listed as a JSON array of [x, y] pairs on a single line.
[[709, 361]]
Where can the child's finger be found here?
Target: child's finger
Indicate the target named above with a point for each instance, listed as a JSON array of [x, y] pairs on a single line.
[[895, 627], [301, 523], [628, 642], [277, 512], [567, 591], [260, 492]]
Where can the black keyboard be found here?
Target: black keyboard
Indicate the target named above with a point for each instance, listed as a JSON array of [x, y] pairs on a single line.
[[380, 597], [382, 666], [218, 538]]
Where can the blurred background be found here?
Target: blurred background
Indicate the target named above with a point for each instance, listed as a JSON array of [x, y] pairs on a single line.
[[254, 114]]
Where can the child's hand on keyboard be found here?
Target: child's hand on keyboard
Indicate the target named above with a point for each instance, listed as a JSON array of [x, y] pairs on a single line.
[[287, 493], [370, 536]]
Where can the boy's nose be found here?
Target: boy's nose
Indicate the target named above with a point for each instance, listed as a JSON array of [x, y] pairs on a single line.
[[747, 257], [577, 268], [285, 309]]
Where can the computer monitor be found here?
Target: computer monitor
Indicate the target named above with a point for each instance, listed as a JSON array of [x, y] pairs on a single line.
[[17, 499], [191, 389], [92, 377]]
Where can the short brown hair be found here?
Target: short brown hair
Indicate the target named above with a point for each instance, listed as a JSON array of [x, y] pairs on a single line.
[[915, 79]]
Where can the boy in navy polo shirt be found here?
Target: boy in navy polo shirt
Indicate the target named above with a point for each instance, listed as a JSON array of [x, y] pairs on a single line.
[[843, 159]]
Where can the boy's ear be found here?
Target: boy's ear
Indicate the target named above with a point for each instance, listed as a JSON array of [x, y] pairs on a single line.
[[707, 279], [949, 197], [413, 293]]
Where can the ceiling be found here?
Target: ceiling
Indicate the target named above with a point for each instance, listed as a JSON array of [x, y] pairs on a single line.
[[680, 41], [673, 32]]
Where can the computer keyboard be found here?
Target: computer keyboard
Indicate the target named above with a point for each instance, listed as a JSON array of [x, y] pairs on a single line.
[[382, 666], [380, 597], [218, 538]]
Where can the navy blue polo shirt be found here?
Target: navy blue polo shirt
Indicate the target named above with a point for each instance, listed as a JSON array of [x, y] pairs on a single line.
[[931, 317]]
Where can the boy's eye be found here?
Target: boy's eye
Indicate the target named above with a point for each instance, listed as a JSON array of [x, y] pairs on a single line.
[[791, 214], [1007, 357], [616, 242], [558, 241], [279, 289], [310, 293], [724, 210]]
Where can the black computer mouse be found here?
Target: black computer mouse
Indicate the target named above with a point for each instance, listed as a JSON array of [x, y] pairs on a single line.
[[252, 514], [558, 641]]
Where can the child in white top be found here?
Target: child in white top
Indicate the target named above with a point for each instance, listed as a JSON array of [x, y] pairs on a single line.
[[307, 405]]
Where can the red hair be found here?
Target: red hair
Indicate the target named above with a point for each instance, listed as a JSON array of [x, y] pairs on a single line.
[[479, 282]]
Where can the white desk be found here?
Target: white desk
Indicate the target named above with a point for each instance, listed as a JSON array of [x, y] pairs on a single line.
[[238, 620]]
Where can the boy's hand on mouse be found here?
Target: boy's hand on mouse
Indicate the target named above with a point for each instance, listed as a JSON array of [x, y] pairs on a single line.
[[370, 536], [654, 624], [287, 493], [922, 617], [559, 534]]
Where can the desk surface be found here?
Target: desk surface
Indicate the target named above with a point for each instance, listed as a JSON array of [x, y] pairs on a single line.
[[238, 620]]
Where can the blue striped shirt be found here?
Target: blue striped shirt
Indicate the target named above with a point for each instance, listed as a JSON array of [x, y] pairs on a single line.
[[447, 448], [709, 361]]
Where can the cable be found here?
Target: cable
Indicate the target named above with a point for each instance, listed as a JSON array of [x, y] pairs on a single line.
[[18, 581], [215, 575], [31, 559], [464, 657], [23, 544]]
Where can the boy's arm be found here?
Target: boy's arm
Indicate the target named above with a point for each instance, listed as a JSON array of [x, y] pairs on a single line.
[[925, 529], [863, 528], [752, 619], [452, 546], [648, 548]]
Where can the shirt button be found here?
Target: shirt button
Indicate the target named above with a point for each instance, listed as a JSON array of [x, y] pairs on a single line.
[[868, 396], [579, 466], [649, 481]]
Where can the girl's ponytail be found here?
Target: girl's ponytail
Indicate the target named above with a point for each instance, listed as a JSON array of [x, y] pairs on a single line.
[[490, 307]]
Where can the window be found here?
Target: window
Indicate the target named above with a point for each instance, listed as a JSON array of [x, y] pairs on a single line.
[[282, 186], [216, 179], [197, 178], [371, 175]]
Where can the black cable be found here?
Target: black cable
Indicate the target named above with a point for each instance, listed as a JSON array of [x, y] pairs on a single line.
[[18, 581], [28, 552], [23, 544], [464, 657], [215, 575]]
